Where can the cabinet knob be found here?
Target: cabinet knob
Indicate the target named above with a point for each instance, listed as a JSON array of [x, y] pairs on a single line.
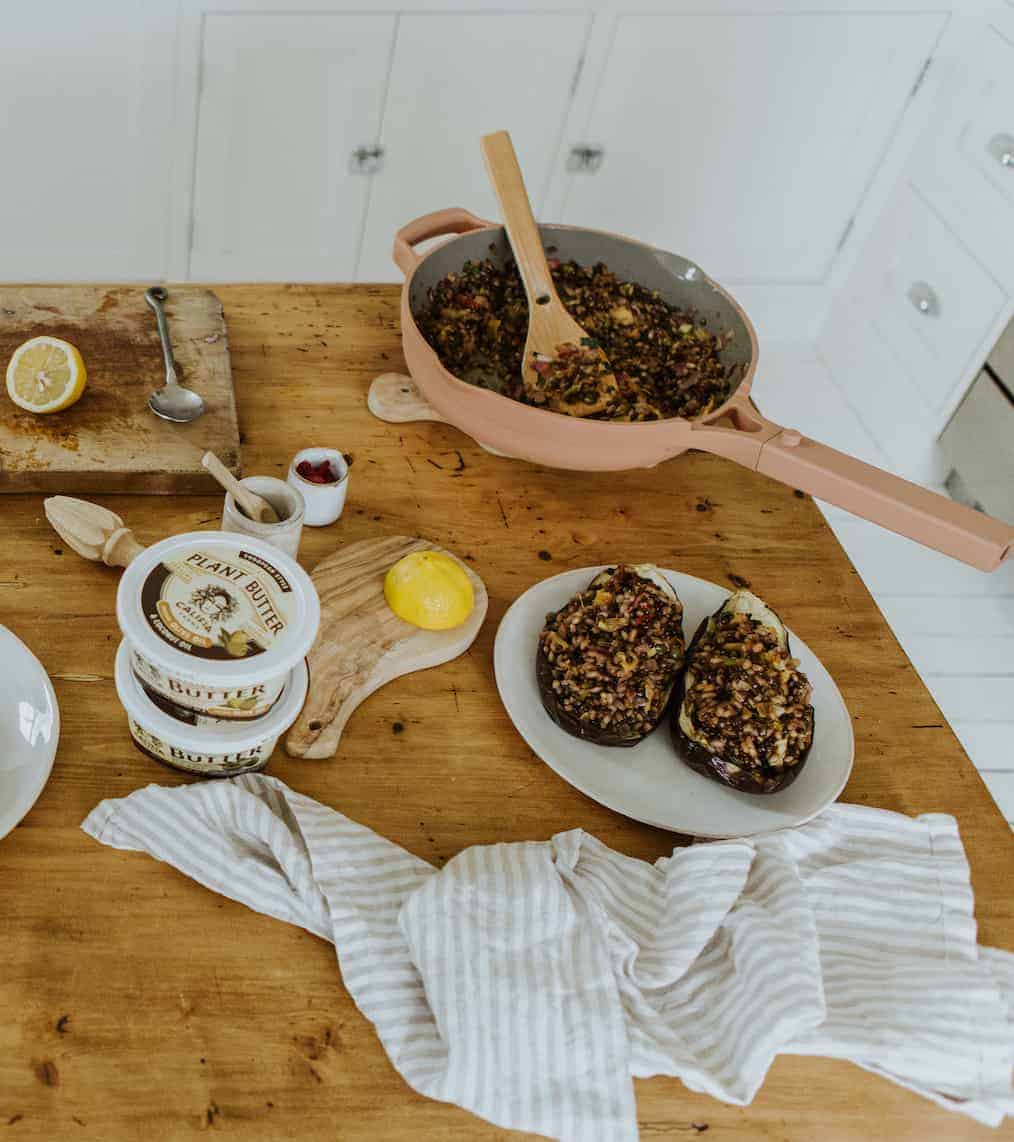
[[1001, 147], [366, 160], [923, 296], [585, 158]]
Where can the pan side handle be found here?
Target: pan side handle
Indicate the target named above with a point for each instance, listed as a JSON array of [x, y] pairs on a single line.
[[741, 433], [887, 500], [454, 220]]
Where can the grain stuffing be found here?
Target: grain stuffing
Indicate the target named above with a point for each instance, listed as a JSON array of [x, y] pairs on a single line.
[[607, 660], [664, 361]]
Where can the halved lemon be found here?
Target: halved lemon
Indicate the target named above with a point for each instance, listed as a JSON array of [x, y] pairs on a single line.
[[46, 375], [429, 589]]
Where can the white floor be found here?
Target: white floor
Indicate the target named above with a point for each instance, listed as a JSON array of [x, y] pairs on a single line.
[[956, 624]]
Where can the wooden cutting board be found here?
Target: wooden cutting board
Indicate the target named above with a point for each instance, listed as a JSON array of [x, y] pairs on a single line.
[[362, 643], [110, 441]]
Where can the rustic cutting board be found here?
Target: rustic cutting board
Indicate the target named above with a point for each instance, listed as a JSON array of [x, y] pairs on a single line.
[[110, 441], [362, 643]]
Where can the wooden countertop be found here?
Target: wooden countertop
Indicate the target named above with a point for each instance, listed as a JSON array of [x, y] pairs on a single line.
[[134, 1004]]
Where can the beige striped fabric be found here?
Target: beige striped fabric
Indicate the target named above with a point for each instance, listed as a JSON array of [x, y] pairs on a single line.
[[530, 983]]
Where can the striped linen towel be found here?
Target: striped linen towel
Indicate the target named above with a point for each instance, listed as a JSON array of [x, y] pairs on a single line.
[[530, 982]]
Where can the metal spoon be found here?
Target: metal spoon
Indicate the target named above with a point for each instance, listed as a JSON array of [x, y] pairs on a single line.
[[172, 401]]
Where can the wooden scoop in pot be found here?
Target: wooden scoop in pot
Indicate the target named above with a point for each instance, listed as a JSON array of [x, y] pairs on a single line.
[[563, 368]]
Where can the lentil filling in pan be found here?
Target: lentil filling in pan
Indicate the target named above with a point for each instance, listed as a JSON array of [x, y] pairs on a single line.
[[665, 361]]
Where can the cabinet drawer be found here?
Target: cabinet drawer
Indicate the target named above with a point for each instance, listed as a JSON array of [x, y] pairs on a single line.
[[929, 298], [984, 135]]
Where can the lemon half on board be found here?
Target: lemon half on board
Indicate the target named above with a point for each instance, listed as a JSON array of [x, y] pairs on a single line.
[[46, 375], [429, 589]]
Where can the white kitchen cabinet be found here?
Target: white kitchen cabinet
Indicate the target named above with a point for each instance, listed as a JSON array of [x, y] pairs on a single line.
[[454, 77], [746, 140], [285, 99], [86, 92], [933, 284]]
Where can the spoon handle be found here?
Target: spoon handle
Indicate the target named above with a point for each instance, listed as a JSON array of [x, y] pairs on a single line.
[[516, 211], [155, 297], [251, 503]]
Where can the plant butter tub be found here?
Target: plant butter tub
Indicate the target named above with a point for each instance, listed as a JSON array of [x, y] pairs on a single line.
[[221, 751], [215, 622]]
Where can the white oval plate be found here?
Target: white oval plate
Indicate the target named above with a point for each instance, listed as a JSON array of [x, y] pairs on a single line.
[[649, 781], [29, 729]]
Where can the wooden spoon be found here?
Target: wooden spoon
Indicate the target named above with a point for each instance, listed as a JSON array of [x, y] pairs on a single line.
[[550, 326], [255, 506]]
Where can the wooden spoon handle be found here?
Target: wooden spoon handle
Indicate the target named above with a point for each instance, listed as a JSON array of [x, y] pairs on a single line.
[[516, 211], [250, 502]]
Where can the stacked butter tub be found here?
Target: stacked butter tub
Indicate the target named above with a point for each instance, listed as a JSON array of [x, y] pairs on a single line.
[[216, 627]]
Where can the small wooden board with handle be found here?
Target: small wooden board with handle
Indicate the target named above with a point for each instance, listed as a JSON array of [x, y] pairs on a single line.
[[362, 644], [396, 399], [110, 441]]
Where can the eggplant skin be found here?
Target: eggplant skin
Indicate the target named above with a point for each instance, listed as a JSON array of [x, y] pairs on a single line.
[[587, 731], [583, 730], [703, 761]]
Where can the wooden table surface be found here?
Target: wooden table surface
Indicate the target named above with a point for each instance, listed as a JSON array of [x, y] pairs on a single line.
[[134, 1004]]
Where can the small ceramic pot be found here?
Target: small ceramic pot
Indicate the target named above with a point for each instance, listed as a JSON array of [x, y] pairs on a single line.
[[216, 621], [219, 752], [324, 502], [287, 502]]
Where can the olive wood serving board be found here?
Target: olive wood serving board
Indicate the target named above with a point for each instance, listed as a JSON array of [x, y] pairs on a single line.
[[362, 644], [110, 441]]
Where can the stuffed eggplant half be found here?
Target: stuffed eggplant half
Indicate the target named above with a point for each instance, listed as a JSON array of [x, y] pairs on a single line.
[[742, 714], [608, 660]]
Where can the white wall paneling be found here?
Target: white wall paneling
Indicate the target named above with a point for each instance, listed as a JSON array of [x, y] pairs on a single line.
[[87, 98]]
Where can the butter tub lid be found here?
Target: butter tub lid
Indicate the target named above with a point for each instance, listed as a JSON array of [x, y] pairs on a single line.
[[218, 608], [212, 740]]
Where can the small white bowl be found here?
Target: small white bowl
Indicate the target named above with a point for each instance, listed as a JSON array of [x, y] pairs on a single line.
[[29, 729], [324, 502], [284, 498], [220, 752]]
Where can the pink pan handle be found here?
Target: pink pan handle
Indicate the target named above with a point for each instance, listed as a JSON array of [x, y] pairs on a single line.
[[455, 220], [740, 433]]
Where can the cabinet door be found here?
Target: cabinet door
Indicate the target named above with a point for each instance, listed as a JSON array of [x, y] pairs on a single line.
[[285, 100], [745, 141], [454, 77], [86, 92]]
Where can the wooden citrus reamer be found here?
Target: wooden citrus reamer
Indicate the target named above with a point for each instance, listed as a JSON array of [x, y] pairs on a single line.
[[92, 531]]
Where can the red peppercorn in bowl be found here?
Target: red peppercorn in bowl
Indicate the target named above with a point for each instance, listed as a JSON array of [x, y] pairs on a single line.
[[321, 475]]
